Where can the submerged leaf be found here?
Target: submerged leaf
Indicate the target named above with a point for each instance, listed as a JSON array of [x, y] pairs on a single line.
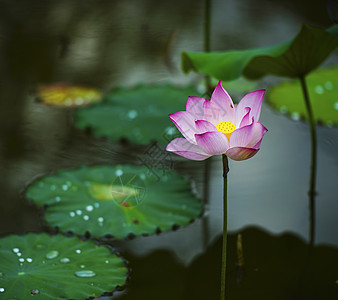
[[287, 97], [295, 58], [117, 201], [139, 115], [57, 267]]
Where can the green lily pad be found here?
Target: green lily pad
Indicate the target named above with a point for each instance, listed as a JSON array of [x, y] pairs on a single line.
[[115, 201], [300, 56], [139, 114], [287, 97], [57, 267]]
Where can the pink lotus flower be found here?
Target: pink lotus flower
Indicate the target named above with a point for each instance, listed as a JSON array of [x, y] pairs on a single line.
[[218, 127]]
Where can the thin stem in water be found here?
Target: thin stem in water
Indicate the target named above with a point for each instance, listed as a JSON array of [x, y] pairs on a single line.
[[207, 13], [224, 247], [312, 190]]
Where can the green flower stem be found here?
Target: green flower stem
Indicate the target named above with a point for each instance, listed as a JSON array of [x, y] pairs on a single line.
[[207, 39], [224, 248], [312, 190]]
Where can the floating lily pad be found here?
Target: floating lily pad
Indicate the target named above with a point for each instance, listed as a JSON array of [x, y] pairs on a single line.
[[139, 115], [118, 201], [287, 97], [57, 267], [64, 95], [310, 47]]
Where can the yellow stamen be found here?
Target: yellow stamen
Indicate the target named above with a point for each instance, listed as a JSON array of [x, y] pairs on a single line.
[[226, 127]]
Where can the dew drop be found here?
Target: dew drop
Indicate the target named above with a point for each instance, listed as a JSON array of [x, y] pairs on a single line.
[[1, 274], [21, 259], [53, 187], [64, 260], [107, 261], [143, 176], [85, 273], [100, 219], [85, 217], [335, 105], [79, 101], [170, 130], [97, 205], [78, 251], [82, 266], [89, 208], [319, 89], [52, 254], [132, 114], [28, 259], [2, 290], [19, 254], [15, 250], [328, 85], [329, 124], [79, 212], [283, 109], [119, 172], [57, 198], [295, 116], [35, 291], [65, 187], [72, 214]]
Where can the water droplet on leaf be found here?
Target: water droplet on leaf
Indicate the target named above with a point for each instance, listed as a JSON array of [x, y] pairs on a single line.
[[89, 208], [21, 259], [28, 259], [72, 214], [2, 290], [78, 251], [328, 85], [85, 217], [132, 114], [85, 273], [119, 172], [15, 250], [295, 116], [64, 260], [52, 254], [35, 291], [319, 89], [283, 109], [79, 212]]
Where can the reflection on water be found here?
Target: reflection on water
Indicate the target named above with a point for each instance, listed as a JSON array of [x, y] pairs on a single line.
[[111, 43]]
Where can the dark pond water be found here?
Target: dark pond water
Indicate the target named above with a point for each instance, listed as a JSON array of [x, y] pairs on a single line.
[[111, 43]]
